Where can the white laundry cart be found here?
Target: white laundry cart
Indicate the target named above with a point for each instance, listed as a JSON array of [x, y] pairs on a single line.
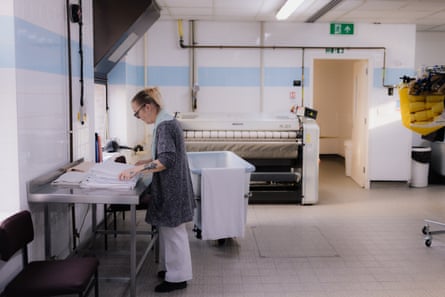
[[221, 186]]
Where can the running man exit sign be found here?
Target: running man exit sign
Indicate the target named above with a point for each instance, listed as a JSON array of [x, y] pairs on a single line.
[[342, 29]]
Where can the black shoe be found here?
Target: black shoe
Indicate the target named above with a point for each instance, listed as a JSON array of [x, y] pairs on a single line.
[[161, 274], [166, 286]]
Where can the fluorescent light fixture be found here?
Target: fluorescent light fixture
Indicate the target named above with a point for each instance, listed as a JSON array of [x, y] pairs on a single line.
[[288, 8]]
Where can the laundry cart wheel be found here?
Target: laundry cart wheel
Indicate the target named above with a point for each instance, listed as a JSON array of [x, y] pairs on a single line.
[[197, 231], [428, 238]]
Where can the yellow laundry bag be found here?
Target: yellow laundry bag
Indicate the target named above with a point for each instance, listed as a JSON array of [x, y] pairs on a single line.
[[422, 114]]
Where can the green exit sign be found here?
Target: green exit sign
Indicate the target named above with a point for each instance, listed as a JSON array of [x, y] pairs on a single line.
[[342, 29]]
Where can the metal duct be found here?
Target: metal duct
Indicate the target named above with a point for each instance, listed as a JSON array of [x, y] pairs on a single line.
[[323, 11], [118, 25]]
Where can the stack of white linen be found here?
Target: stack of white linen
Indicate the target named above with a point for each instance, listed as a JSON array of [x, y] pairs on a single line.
[[106, 175]]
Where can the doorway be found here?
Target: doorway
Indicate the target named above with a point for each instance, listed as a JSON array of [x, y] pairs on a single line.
[[341, 98]]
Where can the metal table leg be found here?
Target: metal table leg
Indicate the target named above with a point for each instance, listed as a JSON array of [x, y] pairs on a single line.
[[47, 231], [94, 222], [133, 251]]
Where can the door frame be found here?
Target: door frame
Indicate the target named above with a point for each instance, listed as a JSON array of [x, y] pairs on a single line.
[[360, 117], [370, 57]]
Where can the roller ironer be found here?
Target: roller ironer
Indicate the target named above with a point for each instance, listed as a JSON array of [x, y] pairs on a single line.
[[273, 143]]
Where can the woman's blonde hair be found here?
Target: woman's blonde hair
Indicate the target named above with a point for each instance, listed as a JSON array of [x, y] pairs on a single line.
[[148, 96]]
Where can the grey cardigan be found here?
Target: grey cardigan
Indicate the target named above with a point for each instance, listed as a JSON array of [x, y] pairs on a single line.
[[172, 201]]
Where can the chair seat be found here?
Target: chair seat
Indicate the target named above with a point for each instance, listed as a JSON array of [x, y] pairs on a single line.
[[118, 207], [49, 278], [125, 207]]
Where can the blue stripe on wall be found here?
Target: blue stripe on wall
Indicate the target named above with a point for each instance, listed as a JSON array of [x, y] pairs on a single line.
[[31, 47], [6, 42], [281, 76], [229, 77], [168, 76], [307, 76], [117, 74], [392, 76], [27, 46], [88, 69], [135, 75], [124, 73], [39, 49]]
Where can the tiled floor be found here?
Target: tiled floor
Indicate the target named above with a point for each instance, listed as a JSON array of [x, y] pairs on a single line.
[[353, 243]]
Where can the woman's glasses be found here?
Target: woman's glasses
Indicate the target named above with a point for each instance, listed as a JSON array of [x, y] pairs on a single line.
[[136, 114]]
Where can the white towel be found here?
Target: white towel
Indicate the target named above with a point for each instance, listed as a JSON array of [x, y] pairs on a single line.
[[223, 208]]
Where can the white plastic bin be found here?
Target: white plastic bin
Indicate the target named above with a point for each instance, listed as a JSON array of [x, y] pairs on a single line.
[[215, 159], [348, 157], [420, 161]]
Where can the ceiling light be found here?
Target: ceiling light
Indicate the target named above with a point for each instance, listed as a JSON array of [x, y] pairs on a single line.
[[288, 8]]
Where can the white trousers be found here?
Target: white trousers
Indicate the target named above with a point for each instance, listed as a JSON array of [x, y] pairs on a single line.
[[174, 253]]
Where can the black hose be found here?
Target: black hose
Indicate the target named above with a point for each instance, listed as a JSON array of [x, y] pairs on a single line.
[[82, 119]]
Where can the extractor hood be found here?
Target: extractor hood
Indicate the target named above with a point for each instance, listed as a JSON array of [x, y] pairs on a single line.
[[118, 25]]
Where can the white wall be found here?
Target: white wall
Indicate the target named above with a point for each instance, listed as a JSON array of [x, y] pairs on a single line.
[[9, 173], [243, 80], [35, 111], [163, 52], [124, 127], [9, 170], [429, 49]]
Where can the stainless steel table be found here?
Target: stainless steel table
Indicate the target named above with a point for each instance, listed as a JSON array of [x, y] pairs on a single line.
[[40, 190]]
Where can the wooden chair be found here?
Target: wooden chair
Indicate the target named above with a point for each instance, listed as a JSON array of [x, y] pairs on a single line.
[[75, 275]]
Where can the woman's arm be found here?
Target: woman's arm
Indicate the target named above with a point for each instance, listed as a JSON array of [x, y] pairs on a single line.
[[142, 162], [152, 166]]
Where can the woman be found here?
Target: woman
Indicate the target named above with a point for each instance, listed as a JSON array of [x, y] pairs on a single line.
[[172, 202]]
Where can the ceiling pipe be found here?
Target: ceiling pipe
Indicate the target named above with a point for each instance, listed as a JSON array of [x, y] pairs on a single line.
[[194, 83], [302, 77], [275, 47]]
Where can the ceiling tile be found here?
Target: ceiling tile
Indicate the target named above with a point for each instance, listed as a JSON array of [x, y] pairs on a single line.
[[421, 12]]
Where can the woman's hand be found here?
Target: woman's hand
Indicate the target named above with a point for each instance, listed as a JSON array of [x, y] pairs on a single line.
[[130, 173], [150, 166]]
